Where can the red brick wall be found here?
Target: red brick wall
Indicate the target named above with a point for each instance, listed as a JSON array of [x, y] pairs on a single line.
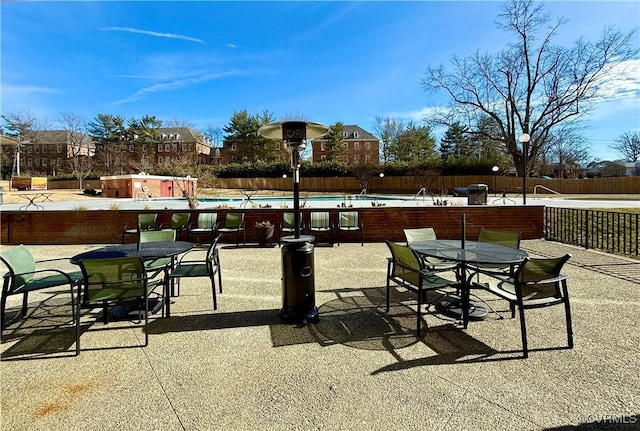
[[105, 227]]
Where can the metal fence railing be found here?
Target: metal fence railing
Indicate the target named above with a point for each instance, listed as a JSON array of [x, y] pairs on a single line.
[[609, 231]]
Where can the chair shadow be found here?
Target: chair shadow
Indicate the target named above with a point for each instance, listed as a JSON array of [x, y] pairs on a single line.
[[47, 330]]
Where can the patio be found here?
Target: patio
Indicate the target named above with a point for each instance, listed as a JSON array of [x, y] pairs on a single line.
[[359, 368]]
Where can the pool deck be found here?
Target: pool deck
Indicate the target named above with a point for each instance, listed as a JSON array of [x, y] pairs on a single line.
[[359, 368], [275, 200]]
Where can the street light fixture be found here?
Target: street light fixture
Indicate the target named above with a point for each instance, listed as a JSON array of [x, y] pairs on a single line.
[[495, 170], [524, 140]]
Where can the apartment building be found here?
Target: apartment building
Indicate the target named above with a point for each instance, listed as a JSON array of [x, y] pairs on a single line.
[[45, 153], [360, 147]]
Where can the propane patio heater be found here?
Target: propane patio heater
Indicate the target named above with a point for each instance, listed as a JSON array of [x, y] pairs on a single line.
[[298, 288]]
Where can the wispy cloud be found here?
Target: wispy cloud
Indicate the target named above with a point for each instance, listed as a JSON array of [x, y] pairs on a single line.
[[154, 33], [25, 90], [231, 45], [175, 84]]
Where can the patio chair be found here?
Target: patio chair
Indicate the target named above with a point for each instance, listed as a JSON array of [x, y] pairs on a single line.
[[506, 238], [320, 223], [405, 268], [160, 265], [116, 281], [536, 283], [179, 223], [188, 267], [25, 274], [145, 222], [416, 235], [349, 222], [233, 223], [205, 224], [287, 225]]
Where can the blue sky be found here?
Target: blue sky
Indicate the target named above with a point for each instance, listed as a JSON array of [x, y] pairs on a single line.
[[323, 61]]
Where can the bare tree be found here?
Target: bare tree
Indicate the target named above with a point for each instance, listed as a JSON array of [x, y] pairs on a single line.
[[628, 145], [178, 122], [531, 85], [78, 145], [388, 130]]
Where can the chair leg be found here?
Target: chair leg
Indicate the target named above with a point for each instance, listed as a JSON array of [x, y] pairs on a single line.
[[419, 312], [25, 300], [213, 292], [77, 319], [523, 331], [567, 310]]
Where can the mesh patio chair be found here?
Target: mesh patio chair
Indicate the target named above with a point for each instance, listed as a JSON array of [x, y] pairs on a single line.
[[506, 238], [145, 222], [287, 225], [116, 281], [180, 223], [205, 225], [188, 267], [349, 222], [405, 268], [320, 223], [25, 274], [416, 235], [233, 223], [536, 283]]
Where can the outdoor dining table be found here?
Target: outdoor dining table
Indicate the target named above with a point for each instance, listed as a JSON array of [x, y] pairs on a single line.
[[467, 253], [146, 251]]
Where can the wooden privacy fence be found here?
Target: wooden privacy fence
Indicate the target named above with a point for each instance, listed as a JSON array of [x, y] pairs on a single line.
[[412, 184]]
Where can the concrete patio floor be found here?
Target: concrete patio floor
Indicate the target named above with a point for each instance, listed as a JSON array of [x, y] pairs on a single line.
[[240, 367]]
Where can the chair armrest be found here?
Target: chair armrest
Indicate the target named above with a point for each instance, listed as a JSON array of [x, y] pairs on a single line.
[[42, 271], [547, 280]]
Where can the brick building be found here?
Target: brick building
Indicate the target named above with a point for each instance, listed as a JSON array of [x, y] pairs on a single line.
[[360, 147]]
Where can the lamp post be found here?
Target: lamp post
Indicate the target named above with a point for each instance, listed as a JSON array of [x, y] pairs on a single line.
[[495, 170], [524, 140], [298, 289]]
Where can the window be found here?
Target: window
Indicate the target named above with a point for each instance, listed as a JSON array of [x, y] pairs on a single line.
[[233, 146], [59, 148], [177, 135], [323, 146], [367, 145], [323, 157], [356, 146], [355, 134], [175, 148], [159, 148], [346, 145], [344, 134], [29, 162], [59, 161], [44, 162], [190, 147], [367, 158], [37, 161], [184, 147], [233, 159], [356, 159], [159, 159], [167, 148], [131, 148], [345, 159]]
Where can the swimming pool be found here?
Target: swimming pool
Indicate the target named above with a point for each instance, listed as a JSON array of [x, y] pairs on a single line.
[[325, 201]]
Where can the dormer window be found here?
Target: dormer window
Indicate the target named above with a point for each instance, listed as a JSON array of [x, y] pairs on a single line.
[[355, 134], [344, 134]]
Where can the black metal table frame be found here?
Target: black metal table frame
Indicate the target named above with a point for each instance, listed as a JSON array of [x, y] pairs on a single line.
[[474, 252], [32, 199], [146, 251]]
